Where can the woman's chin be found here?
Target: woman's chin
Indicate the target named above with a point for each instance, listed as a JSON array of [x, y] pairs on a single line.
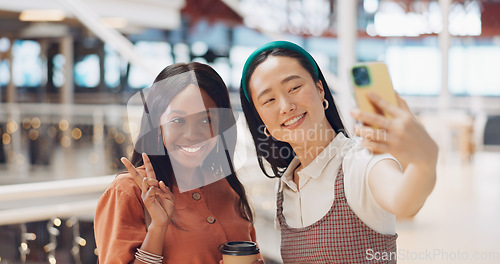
[[187, 163]]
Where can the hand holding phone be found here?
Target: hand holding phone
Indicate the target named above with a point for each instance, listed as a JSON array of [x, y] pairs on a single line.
[[396, 130], [372, 77]]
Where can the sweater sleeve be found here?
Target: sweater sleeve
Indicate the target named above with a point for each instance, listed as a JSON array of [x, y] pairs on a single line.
[[119, 224]]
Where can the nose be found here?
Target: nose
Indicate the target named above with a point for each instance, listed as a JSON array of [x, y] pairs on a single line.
[[286, 105], [196, 132], [191, 131]]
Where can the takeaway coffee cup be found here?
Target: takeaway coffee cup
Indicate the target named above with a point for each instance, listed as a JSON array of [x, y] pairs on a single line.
[[239, 252]]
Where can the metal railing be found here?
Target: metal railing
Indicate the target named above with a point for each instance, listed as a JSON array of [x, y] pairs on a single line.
[[61, 188]]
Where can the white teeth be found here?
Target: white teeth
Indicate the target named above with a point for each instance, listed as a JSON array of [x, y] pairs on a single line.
[[293, 121], [191, 150]]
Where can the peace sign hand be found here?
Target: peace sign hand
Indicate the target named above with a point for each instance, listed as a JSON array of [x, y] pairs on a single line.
[[157, 197]]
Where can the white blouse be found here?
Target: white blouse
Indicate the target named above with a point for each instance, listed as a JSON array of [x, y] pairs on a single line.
[[313, 198]]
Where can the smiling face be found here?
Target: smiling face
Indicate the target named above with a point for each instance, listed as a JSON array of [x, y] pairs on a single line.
[[189, 127], [287, 99]]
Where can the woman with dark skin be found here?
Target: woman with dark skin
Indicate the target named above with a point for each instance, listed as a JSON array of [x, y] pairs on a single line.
[[175, 204], [337, 197]]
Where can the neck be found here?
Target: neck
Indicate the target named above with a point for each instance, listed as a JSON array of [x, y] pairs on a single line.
[[185, 174], [316, 141]]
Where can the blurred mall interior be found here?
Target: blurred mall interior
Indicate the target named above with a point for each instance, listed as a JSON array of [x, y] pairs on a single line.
[[69, 67]]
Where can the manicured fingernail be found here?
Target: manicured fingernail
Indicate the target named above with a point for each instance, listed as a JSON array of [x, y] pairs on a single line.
[[355, 112], [372, 95]]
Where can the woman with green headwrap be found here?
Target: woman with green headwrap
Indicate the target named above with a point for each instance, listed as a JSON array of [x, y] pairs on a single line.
[[338, 197]]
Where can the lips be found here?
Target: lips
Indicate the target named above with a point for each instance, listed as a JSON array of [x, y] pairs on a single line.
[[191, 149], [293, 120]]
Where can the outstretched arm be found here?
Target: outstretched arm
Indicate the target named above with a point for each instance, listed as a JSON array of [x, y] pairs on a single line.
[[159, 203], [402, 193]]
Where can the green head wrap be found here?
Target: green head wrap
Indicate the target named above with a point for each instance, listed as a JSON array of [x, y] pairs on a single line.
[[270, 46]]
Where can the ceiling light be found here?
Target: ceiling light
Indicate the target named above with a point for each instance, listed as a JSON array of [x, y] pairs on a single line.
[[42, 15], [114, 22]]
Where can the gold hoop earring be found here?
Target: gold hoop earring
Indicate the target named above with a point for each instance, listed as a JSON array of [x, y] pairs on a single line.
[[266, 132], [325, 104]]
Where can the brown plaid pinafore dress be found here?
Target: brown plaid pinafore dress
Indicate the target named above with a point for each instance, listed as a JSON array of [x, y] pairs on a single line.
[[339, 237]]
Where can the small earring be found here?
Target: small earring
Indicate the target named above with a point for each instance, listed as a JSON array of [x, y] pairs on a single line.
[[218, 139], [266, 132], [159, 136], [325, 104]]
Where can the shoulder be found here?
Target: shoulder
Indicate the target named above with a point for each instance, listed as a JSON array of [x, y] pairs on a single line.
[[360, 159], [123, 185], [355, 151], [121, 200]]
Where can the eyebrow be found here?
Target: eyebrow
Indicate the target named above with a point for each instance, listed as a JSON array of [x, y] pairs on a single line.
[[287, 79], [178, 112], [263, 93], [207, 112]]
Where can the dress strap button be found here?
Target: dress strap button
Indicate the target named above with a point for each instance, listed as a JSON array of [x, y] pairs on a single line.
[[210, 220], [196, 196]]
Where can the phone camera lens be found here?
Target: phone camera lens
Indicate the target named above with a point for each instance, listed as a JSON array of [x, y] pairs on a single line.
[[361, 77]]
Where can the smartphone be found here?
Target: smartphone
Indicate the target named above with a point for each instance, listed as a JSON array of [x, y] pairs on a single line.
[[372, 77]]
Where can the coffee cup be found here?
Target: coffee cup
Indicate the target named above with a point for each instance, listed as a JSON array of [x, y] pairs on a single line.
[[239, 252]]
